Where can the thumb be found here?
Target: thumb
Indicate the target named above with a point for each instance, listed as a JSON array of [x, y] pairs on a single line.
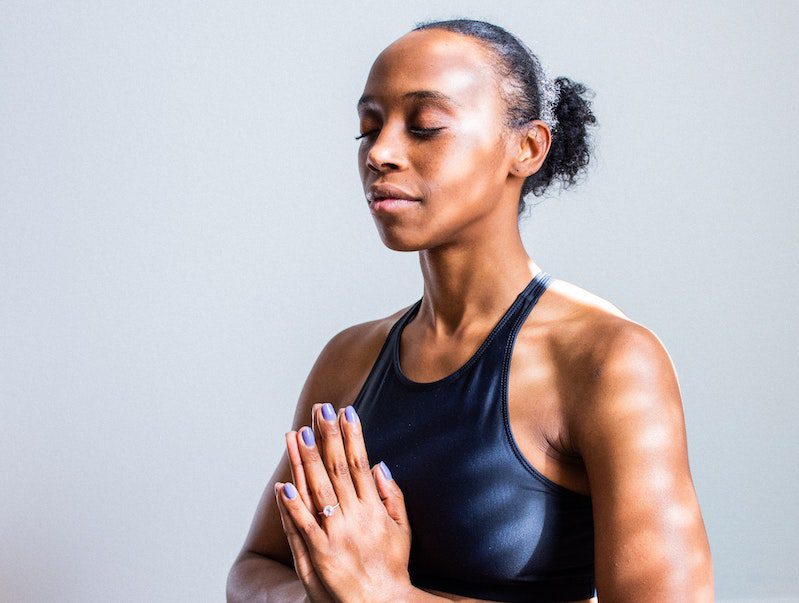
[[391, 495]]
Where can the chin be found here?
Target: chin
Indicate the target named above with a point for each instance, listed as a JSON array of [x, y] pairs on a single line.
[[398, 242]]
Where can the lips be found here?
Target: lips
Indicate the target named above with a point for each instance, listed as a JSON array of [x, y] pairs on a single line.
[[390, 206], [389, 191]]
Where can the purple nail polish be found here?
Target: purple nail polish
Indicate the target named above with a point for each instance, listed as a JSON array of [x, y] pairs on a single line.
[[351, 415], [307, 436], [384, 469], [327, 411], [289, 490]]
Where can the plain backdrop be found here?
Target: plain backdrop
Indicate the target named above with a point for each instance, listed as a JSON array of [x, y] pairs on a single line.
[[183, 227]]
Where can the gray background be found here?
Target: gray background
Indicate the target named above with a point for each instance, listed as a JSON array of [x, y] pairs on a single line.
[[182, 228]]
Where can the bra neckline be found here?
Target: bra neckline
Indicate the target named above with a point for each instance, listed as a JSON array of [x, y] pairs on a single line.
[[479, 352]]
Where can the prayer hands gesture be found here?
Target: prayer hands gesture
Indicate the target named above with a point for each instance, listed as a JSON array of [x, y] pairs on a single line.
[[348, 529]]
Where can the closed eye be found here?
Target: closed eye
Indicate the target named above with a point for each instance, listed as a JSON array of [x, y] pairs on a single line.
[[418, 132]]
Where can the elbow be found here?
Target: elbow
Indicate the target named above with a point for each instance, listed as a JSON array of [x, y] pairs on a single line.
[[687, 580], [254, 578]]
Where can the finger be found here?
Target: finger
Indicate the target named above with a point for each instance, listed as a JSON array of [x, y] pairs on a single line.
[[302, 519], [357, 458], [319, 484], [316, 419], [334, 457], [391, 495], [303, 564], [297, 471], [314, 422]]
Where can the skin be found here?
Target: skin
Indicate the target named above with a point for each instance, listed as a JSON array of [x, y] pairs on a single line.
[[332, 565], [594, 400]]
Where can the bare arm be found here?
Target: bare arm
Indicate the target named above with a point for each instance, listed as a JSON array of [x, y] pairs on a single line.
[[264, 569], [257, 579], [650, 540]]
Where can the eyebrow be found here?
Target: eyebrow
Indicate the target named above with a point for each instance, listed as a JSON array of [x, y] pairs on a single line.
[[428, 95]]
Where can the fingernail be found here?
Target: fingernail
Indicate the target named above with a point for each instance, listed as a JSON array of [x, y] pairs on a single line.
[[384, 469], [351, 415], [307, 436], [289, 490], [327, 411]]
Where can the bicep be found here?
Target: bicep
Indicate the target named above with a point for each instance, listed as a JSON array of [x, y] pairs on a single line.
[[650, 541], [266, 536]]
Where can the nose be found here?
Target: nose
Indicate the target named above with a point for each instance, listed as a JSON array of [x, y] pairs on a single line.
[[387, 152]]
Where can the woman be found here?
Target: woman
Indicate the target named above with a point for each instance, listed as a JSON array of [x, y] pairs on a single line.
[[535, 433]]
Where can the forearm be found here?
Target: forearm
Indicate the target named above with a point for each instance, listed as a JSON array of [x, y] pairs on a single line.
[[417, 595], [257, 579]]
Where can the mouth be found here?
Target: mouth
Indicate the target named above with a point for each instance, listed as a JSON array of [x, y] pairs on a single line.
[[384, 191], [391, 204]]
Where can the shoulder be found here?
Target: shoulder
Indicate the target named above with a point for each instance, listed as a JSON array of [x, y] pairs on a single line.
[[345, 360], [630, 401], [615, 360], [607, 360], [600, 347]]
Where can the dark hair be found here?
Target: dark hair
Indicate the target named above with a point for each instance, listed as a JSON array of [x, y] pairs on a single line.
[[530, 94]]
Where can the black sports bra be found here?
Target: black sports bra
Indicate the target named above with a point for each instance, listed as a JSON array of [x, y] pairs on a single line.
[[485, 523]]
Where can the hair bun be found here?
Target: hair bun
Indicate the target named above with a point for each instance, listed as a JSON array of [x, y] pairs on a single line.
[[571, 147]]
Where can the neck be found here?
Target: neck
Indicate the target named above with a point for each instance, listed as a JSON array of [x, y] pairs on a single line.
[[467, 281]]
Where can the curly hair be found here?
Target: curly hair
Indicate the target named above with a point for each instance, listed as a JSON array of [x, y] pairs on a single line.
[[529, 93]]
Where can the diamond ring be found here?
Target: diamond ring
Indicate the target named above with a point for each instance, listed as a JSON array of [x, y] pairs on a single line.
[[328, 510]]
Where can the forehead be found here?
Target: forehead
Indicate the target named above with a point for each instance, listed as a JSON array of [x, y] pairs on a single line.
[[434, 60]]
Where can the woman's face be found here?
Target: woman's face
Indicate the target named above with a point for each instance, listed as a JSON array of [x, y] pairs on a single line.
[[433, 124]]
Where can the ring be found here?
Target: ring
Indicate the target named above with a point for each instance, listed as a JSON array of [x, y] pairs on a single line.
[[328, 510]]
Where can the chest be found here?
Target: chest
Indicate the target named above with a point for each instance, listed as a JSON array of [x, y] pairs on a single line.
[[468, 488], [540, 396]]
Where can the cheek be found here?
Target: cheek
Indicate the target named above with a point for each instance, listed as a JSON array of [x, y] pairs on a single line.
[[361, 155], [469, 153], [462, 168]]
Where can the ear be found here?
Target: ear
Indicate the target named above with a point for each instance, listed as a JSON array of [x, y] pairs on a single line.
[[531, 151]]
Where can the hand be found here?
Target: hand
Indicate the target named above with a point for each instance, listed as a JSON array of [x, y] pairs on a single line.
[[315, 590], [360, 552]]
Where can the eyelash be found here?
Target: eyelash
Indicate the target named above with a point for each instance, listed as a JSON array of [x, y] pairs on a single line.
[[424, 132]]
